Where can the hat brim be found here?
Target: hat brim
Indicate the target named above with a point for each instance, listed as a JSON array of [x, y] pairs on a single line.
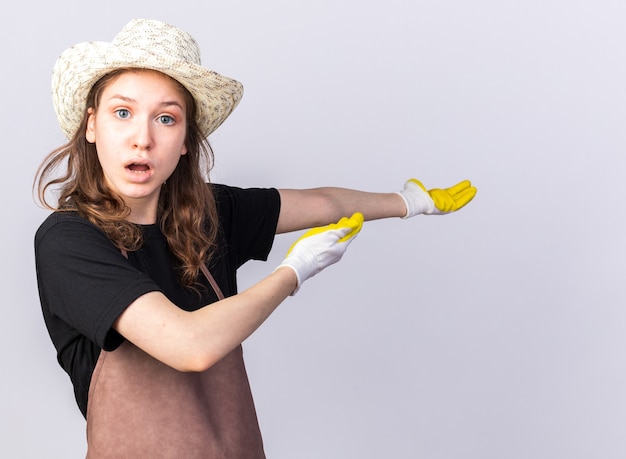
[[81, 66]]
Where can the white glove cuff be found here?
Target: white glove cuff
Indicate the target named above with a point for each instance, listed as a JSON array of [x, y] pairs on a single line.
[[298, 284], [406, 204], [417, 201]]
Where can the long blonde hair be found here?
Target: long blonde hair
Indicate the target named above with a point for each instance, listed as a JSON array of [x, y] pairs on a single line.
[[187, 212]]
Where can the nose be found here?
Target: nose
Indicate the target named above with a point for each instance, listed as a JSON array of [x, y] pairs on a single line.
[[143, 136]]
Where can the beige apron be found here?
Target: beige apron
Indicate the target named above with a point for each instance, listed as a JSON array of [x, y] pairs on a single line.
[[141, 408]]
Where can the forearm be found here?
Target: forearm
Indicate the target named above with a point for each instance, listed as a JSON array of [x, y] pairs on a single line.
[[222, 326], [194, 341], [319, 206]]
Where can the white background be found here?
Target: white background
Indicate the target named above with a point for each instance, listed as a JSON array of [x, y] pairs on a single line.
[[496, 332]]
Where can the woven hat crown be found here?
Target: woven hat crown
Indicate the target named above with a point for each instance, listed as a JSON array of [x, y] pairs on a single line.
[[145, 44], [159, 39]]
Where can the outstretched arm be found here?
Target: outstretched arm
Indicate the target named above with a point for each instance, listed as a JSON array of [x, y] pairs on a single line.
[[302, 209]]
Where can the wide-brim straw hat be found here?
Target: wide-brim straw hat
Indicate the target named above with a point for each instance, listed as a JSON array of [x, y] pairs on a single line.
[[146, 44]]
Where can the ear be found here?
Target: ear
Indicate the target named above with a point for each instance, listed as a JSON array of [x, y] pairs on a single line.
[[90, 132], [184, 150]]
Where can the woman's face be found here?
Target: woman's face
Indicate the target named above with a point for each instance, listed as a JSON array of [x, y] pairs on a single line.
[[139, 129]]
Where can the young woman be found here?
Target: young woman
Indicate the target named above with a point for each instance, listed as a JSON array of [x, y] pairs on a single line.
[[136, 265]]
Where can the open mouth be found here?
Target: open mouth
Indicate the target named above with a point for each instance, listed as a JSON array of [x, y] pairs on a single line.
[[135, 167]]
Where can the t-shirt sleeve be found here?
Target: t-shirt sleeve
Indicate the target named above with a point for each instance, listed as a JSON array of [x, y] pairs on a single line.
[[84, 280], [248, 219]]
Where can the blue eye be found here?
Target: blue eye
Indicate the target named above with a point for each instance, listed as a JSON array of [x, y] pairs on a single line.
[[122, 113], [166, 119]]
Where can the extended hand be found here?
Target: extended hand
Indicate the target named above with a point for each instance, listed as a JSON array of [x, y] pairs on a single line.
[[437, 201], [321, 247]]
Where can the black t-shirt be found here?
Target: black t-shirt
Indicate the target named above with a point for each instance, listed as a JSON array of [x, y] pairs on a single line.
[[85, 282]]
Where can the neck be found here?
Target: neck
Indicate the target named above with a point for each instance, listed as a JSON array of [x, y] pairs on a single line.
[[142, 213]]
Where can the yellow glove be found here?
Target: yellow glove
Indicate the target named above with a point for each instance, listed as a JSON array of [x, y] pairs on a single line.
[[437, 201], [321, 247]]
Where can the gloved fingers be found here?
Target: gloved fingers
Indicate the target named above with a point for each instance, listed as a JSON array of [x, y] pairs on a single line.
[[344, 230], [453, 198], [464, 197], [459, 187], [352, 224], [445, 202]]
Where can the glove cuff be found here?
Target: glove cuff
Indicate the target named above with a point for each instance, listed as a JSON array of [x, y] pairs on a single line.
[[406, 204], [298, 282], [416, 199]]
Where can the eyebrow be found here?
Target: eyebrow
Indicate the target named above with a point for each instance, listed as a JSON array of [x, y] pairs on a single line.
[[166, 103]]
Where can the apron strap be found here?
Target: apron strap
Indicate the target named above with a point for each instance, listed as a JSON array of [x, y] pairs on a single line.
[[212, 281]]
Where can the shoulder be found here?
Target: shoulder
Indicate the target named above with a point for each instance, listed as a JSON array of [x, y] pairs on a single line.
[[227, 196], [237, 205], [67, 231], [60, 220]]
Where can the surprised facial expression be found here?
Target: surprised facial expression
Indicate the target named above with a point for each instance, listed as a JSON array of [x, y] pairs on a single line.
[[139, 129]]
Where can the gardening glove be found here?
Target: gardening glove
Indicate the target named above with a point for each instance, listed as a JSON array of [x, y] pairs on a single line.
[[321, 247], [419, 200]]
